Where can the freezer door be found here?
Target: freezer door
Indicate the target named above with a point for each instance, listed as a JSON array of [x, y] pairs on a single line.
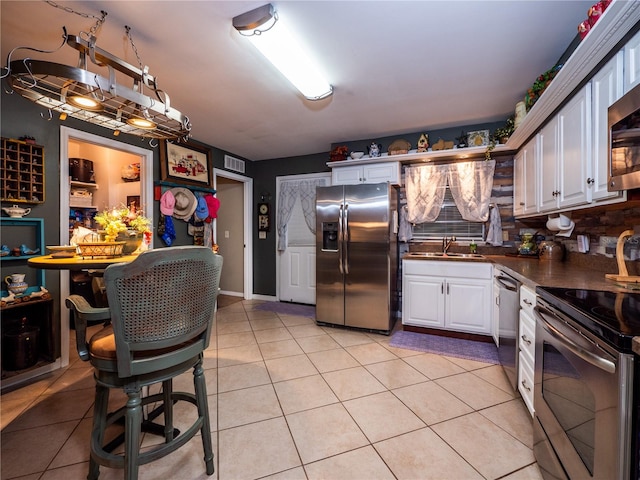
[[329, 251], [367, 256]]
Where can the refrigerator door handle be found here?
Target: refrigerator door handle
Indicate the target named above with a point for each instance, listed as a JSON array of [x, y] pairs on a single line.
[[345, 236], [340, 238]]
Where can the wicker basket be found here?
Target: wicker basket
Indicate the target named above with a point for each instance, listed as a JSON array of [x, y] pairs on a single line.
[[101, 249]]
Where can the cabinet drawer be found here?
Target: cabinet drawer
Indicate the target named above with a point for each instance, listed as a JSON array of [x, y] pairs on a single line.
[[527, 300], [448, 268], [525, 381], [526, 336]]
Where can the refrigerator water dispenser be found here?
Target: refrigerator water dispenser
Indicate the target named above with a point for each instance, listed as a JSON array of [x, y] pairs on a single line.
[[330, 236]]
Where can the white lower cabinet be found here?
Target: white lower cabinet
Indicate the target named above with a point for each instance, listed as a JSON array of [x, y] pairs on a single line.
[[526, 343], [449, 295]]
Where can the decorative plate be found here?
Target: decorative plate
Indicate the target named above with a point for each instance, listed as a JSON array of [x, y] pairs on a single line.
[[478, 138]]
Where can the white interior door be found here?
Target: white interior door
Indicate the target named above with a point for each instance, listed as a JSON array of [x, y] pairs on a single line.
[[297, 264]]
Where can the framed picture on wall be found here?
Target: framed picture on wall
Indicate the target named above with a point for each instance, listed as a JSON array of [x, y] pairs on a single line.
[[133, 202], [186, 163]]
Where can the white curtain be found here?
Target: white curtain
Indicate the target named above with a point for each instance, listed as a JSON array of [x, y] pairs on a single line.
[[308, 200], [471, 184], [425, 192], [289, 192]]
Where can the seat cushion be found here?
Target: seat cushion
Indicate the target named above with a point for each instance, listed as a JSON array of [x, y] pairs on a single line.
[[103, 344], [102, 347]]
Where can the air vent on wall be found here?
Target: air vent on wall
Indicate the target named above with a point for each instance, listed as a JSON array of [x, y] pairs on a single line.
[[234, 164]]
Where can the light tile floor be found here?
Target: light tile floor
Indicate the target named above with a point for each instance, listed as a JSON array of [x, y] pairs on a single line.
[[291, 400]]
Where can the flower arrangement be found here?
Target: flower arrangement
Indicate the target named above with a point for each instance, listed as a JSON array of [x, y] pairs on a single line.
[[539, 86], [122, 219], [338, 153]]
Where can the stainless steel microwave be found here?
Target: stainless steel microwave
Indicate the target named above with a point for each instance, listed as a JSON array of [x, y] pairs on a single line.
[[624, 142]]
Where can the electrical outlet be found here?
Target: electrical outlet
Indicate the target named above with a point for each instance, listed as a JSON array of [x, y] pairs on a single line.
[[226, 234]]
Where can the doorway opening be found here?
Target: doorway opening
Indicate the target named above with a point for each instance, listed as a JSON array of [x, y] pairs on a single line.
[[107, 189], [232, 232]]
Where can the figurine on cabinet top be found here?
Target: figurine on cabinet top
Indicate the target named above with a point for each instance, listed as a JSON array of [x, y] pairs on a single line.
[[423, 143], [375, 149]]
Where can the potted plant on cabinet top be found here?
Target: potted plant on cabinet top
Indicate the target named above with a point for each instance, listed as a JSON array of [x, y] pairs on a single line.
[[502, 134]]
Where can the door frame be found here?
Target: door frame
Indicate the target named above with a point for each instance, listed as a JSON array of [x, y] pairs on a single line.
[[279, 180], [247, 215], [146, 198]]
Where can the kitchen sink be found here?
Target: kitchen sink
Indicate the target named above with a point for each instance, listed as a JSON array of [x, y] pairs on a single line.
[[446, 256], [465, 255]]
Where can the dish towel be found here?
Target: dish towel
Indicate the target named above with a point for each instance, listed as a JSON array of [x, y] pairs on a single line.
[[405, 231], [494, 235]]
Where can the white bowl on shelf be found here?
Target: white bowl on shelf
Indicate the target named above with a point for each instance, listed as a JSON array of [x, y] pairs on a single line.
[[357, 155]]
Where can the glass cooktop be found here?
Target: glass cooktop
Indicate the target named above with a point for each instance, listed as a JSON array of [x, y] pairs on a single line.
[[612, 316]]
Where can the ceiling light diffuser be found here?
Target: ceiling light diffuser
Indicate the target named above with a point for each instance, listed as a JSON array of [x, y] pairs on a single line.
[[274, 40]]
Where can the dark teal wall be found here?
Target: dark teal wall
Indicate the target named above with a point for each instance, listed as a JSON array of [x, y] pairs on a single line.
[[21, 117], [447, 134], [264, 175]]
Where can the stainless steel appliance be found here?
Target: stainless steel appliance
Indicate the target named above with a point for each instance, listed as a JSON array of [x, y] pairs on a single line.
[[508, 300], [624, 142], [586, 384], [356, 256]]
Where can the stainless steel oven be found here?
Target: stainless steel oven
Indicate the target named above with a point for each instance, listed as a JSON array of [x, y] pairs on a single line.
[[586, 415], [624, 142]]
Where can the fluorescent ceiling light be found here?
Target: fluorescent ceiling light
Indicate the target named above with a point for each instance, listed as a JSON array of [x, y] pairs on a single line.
[[269, 35]]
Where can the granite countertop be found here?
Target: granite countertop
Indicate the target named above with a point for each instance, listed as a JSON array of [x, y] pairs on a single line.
[[576, 271], [534, 272]]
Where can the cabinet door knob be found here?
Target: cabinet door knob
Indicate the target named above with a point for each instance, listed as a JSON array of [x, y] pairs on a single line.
[[524, 385], [526, 301], [590, 181], [525, 339]]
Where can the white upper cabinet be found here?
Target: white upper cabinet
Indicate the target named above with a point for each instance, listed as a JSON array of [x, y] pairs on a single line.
[[632, 63], [525, 172], [606, 88], [548, 161], [368, 173], [561, 153], [574, 152]]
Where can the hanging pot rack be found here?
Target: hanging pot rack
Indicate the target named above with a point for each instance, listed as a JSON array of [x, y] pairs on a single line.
[[50, 84]]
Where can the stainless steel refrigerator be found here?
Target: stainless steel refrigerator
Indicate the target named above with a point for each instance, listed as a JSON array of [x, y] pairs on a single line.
[[357, 256]]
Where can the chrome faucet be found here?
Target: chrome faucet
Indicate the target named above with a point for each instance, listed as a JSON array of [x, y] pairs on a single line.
[[447, 243]]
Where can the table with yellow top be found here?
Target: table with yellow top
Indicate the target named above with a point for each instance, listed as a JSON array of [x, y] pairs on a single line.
[[49, 262]]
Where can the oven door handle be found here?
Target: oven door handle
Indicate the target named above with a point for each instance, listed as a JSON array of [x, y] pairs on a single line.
[[507, 283], [594, 359]]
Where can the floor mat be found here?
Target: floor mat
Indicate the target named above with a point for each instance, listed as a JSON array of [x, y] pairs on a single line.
[[288, 309], [452, 347]]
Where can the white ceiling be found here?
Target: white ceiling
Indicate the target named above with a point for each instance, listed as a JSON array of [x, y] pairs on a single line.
[[396, 66]]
